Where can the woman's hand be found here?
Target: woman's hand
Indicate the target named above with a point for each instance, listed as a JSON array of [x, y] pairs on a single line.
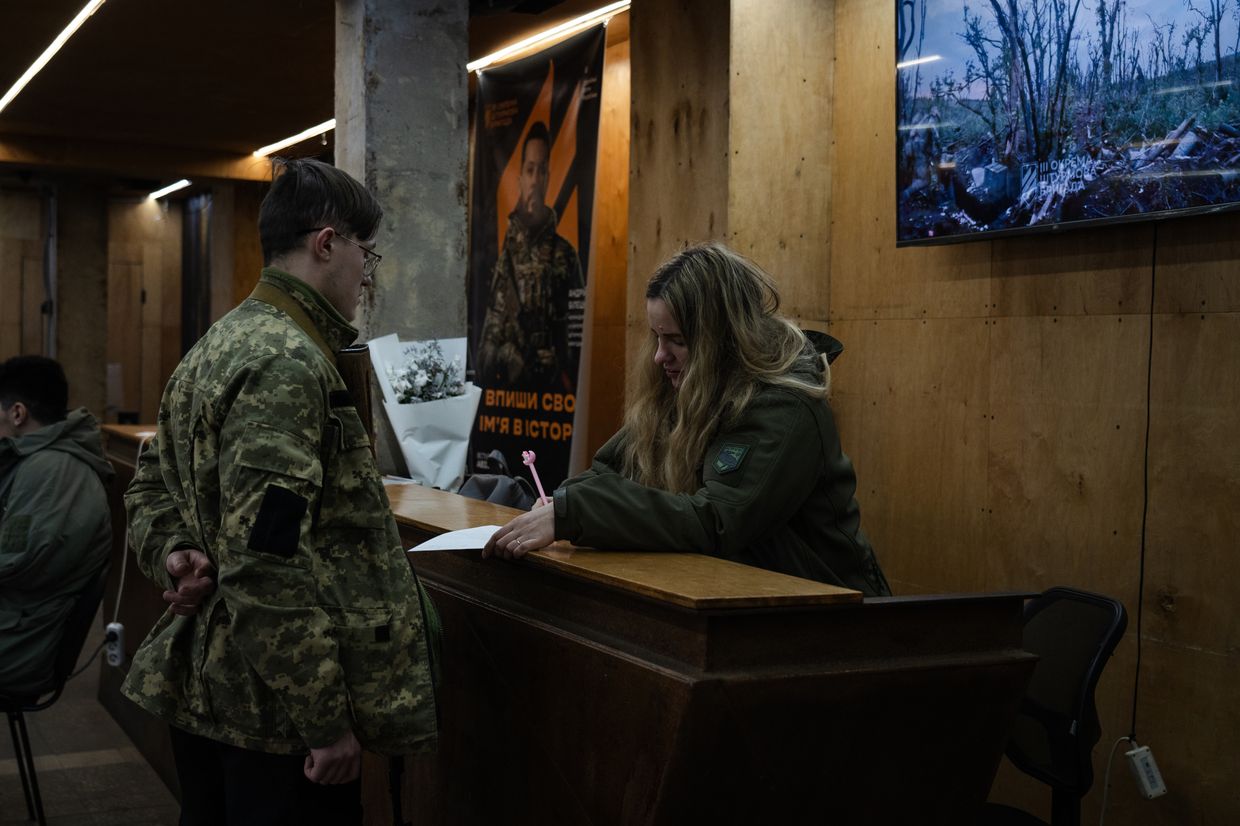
[[528, 532]]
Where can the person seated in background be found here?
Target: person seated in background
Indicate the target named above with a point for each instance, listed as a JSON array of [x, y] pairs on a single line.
[[728, 447], [55, 531]]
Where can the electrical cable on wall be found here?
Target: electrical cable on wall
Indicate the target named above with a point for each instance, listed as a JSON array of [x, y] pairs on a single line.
[[1145, 486]]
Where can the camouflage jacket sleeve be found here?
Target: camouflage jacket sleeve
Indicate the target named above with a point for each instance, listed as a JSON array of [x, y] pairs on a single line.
[[156, 524], [271, 479], [498, 319]]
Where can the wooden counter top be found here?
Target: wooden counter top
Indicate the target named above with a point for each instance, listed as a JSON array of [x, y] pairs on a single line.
[[693, 581], [689, 580], [129, 432]]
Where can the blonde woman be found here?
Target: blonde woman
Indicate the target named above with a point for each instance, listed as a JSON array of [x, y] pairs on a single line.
[[728, 446]]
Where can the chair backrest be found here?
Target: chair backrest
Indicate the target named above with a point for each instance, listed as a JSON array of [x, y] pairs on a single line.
[[1073, 632], [77, 626]]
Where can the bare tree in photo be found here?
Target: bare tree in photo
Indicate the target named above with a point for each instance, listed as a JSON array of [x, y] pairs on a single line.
[[1041, 35], [1108, 16], [985, 71], [1212, 15]]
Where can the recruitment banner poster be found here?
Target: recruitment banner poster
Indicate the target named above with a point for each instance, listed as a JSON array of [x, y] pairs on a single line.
[[535, 150]]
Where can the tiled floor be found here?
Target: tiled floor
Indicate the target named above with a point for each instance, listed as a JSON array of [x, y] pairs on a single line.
[[89, 772]]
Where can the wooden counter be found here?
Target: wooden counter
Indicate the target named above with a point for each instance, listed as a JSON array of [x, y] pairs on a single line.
[[597, 687], [594, 687]]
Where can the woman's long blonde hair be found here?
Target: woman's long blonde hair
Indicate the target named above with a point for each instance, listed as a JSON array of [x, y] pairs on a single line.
[[726, 308]]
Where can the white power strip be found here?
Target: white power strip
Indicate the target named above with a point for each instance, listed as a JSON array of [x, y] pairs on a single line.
[[116, 643], [1149, 779]]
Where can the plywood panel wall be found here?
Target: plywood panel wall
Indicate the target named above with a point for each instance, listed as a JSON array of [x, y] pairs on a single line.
[[82, 286], [21, 273], [144, 299], [678, 182], [779, 177], [247, 249], [604, 381], [1047, 343]]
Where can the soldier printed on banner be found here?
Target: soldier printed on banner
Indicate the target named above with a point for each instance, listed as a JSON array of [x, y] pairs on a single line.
[[531, 332]]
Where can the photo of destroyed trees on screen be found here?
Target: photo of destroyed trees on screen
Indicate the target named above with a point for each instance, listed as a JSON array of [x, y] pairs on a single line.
[[1021, 115]]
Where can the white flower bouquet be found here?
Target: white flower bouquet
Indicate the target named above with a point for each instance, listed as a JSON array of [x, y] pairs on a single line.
[[429, 403]]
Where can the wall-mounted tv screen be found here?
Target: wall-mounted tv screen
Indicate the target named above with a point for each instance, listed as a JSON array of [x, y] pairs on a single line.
[[1024, 115]]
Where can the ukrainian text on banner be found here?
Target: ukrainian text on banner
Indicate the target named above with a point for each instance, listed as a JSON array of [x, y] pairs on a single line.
[[535, 151]]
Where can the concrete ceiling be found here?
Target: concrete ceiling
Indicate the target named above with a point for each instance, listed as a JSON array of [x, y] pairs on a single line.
[[168, 79]]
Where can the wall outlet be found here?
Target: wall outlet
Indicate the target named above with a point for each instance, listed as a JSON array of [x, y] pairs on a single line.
[[1149, 778], [116, 643]]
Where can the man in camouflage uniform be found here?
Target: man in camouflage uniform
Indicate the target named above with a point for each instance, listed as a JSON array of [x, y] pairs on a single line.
[[297, 632], [537, 291]]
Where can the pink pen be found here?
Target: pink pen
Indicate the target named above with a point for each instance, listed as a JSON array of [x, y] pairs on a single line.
[[528, 457]]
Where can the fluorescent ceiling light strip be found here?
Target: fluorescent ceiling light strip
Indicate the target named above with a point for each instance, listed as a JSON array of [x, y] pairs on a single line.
[[50, 52], [919, 61], [322, 128], [550, 34], [170, 188]]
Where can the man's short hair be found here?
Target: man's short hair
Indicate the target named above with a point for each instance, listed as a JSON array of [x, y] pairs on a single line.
[[38, 383], [538, 132], [309, 195]]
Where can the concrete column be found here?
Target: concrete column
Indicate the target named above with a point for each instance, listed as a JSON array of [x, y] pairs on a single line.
[[402, 116], [402, 120]]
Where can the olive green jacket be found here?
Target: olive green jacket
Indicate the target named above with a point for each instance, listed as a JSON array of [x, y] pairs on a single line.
[[316, 626], [55, 534], [777, 492]]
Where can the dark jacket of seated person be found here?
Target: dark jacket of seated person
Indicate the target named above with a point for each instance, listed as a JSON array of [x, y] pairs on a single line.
[[728, 448], [55, 530]]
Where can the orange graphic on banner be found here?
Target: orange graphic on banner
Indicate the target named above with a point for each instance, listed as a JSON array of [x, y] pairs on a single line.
[[562, 154]]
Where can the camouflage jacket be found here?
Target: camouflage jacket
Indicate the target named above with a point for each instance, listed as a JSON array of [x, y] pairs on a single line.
[[316, 626], [537, 297]]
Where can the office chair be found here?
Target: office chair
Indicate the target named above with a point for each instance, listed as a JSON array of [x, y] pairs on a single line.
[[76, 628], [1073, 633]]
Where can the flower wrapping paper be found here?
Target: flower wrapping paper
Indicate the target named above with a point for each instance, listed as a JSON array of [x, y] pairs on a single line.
[[433, 435]]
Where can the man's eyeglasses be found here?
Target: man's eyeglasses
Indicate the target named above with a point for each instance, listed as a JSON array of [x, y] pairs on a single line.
[[371, 259]]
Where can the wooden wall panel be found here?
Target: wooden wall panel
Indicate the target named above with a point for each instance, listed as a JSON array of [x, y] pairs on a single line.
[[1084, 272], [10, 298], [870, 277], [779, 177], [1197, 264], [34, 293], [603, 377], [125, 328], [909, 397], [678, 180], [1189, 717], [82, 290], [1192, 568], [1066, 443], [247, 249], [21, 215], [21, 272], [144, 292], [1066, 362]]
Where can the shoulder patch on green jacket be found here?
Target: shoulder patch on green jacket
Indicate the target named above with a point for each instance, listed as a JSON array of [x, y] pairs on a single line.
[[730, 457]]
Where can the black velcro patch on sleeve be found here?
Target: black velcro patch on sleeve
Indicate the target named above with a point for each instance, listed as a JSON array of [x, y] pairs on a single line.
[[383, 633], [277, 528], [340, 398]]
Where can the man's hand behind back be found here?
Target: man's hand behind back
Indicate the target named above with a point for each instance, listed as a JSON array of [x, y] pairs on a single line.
[[194, 578], [341, 762]]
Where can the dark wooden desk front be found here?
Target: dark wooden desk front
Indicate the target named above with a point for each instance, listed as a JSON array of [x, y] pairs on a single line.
[[605, 688], [611, 688]]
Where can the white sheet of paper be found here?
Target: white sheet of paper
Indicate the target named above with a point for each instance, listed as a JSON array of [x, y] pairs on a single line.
[[469, 539]]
